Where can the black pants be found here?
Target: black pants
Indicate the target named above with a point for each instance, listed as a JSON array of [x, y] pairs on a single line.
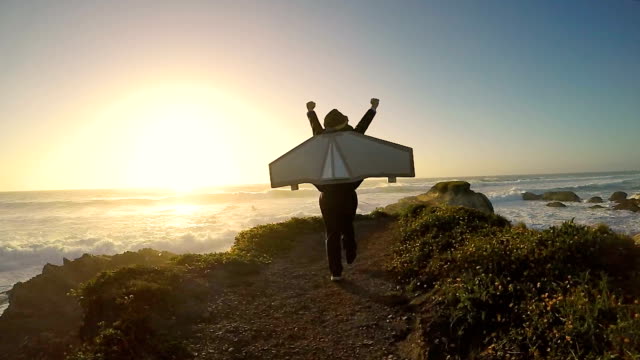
[[338, 212]]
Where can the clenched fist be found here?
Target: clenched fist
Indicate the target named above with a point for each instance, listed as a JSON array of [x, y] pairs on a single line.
[[374, 103], [311, 105]]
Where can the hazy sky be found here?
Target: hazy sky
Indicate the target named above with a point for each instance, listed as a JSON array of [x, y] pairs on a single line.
[[102, 94]]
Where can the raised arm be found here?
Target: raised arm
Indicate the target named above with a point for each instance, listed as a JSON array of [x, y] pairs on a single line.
[[313, 118], [363, 125]]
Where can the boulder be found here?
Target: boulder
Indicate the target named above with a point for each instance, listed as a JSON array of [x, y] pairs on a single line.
[[596, 207], [556, 204], [456, 193], [595, 200], [618, 196], [637, 238], [630, 205], [560, 196], [531, 196], [636, 196]]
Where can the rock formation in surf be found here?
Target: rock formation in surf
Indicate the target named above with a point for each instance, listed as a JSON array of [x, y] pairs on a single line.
[[561, 196], [557, 204], [618, 196], [456, 193]]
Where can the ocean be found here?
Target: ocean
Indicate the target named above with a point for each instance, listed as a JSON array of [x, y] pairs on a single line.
[[42, 227]]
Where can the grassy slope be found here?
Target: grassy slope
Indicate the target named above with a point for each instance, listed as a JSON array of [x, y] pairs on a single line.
[[493, 291], [148, 312], [483, 288]]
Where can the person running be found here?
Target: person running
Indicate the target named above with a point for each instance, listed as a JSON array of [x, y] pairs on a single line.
[[338, 202]]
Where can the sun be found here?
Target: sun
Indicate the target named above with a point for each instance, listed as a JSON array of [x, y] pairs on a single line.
[[182, 141]]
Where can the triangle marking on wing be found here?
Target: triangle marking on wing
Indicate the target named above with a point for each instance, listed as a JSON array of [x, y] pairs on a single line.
[[339, 167], [327, 172]]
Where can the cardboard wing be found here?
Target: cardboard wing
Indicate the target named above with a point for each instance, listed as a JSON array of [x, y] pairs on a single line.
[[341, 157]]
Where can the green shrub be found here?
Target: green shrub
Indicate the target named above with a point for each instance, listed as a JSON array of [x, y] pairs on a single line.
[[136, 312], [501, 292], [426, 232], [264, 242], [232, 263]]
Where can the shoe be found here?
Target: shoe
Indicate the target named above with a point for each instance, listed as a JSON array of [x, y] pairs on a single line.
[[351, 256], [336, 278]]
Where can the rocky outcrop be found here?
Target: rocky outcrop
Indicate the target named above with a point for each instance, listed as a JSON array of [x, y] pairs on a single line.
[[637, 238], [552, 196], [456, 193], [636, 197], [618, 196], [557, 204], [627, 204], [531, 196], [595, 200], [43, 306], [561, 196]]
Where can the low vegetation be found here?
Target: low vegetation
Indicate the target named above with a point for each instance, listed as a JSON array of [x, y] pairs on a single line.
[[135, 313], [495, 291], [483, 289], [144, 312]]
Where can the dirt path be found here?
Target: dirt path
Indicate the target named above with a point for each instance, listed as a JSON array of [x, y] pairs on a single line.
[[291, 310]]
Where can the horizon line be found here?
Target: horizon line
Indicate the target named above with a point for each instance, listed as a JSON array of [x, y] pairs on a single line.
[[153, 188]]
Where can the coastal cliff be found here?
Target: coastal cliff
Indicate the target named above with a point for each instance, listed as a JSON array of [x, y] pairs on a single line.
[[41, 312], [430, 281]]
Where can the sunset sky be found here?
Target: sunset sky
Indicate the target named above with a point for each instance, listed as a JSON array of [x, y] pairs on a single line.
[[184, 94]]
